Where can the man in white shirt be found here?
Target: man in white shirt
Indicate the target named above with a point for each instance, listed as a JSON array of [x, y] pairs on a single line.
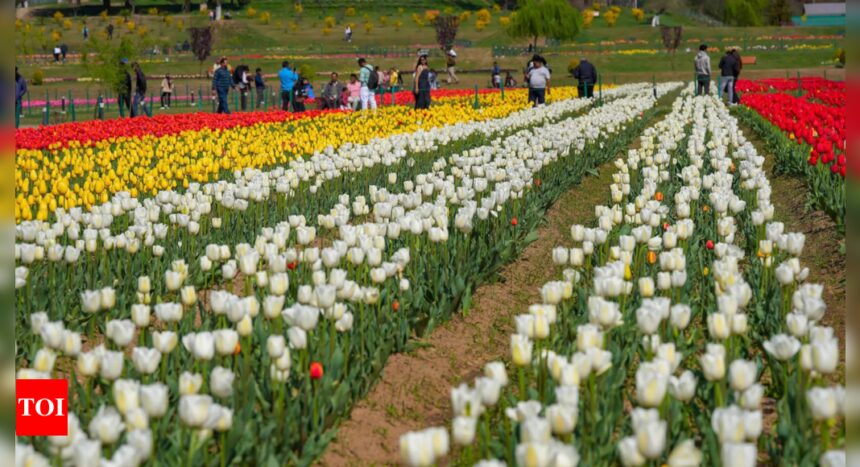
[[538, 79]]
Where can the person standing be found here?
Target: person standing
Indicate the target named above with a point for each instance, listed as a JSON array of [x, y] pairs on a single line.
[[347, 34], [538, 80], [110, 31], [394, 80], [369, 81], [123, 94], [166, 91], [139, 89], [260, 87], [240, 77], [57, 53], [496, 75], [221, 84], [737, 98], [288, 79], [702, 65], [20, 90], [451, 64], [331, 93], [729, 68], [421, 84], [86, 31], [586, 74]]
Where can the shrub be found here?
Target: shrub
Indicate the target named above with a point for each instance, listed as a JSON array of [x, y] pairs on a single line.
[[397, 25], [58, 16], [611, 18], [448, 10], [104, 14], [306, 71], [383, 20], [298, 8], [252, 12], [265, 17], [293, 26], [431, 15], [350, 11], [496, 8], [329, 21], [152, 11], [596, 6], [616, 9], [480, 25], [401, 10], [587, 17], [56, 36], [130, 25], [464, 16], [483, 15], [505, 21], [326, 31], [368, 27], [67, 24], [38, 77], [638, 14]]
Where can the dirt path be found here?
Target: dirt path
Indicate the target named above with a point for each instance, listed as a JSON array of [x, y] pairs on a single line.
[[414, 390]]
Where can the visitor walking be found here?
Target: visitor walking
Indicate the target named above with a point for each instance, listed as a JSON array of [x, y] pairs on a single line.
[[57, 53], [538, 80], [737, 98], [496, 75], [451, 64], [347, 34], [354, 88], [243, 84], [260, 87], [331, 93], [64, 49], [702, 64], [300, 93], [20, 90], [110, 31], [166, 91], [124, 91], [369, 82], [586, 74], [86, 31], [729, 68], [139, 89], [421, 84], [221, 84], [288, 79]]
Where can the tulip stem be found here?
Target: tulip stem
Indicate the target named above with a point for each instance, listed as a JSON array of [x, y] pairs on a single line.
[[522, 378], [223, 448]]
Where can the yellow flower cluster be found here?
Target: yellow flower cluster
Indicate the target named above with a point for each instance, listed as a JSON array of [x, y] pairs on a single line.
[[88, 176], [637, 52]]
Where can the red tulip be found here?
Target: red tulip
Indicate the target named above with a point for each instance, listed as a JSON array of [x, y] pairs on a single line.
[[514, 222], [316, 370], [709, 244]]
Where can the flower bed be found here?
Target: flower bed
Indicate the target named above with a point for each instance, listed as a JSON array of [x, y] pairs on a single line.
[[675, 320], [287, 308]]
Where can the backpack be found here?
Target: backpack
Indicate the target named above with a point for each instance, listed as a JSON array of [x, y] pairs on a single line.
[[372, 80]]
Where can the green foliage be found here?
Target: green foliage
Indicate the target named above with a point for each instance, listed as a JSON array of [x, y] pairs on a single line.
[[744, 12], [102, 58], [38, 77], [307, 71], [780, 12], [554, 19], [840, 57]]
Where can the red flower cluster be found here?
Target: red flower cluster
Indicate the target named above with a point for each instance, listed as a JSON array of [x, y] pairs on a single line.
[[821, 126]]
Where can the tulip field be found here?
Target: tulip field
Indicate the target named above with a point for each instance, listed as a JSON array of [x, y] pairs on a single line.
[[223, 290]]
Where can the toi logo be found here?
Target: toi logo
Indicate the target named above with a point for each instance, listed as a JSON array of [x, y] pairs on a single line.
[[42, 407]]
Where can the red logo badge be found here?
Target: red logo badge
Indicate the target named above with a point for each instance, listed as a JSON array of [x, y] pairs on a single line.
[[42, 407]]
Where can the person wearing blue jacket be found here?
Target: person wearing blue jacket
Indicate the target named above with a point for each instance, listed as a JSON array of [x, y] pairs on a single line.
[[222, 82], [288, 79], [20, 90]]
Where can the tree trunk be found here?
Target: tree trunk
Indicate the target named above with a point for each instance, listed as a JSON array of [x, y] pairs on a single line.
[[186, 6]]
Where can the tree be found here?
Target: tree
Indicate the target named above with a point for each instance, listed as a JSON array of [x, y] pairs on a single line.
[[780, 12], [201, 43], [446, 30], [554, 19], [744, 12], [101, 58]]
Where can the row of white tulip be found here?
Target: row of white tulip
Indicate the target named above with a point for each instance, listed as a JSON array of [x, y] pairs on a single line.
[[152, 217], [715, 149], [140, 398]]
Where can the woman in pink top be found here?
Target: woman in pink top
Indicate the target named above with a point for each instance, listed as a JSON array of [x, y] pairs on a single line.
[[354, 87]]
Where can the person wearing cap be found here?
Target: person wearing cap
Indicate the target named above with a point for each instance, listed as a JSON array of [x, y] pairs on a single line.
[[586, 74], [450, 67], [538, 80], [702, 65]]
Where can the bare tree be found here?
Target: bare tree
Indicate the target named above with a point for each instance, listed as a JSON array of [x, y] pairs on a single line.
[[446, 30]]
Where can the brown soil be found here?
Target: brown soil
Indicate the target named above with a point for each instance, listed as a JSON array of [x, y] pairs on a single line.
[[414, 390]]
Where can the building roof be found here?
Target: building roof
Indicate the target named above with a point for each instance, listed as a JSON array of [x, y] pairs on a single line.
[[823, 9]]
